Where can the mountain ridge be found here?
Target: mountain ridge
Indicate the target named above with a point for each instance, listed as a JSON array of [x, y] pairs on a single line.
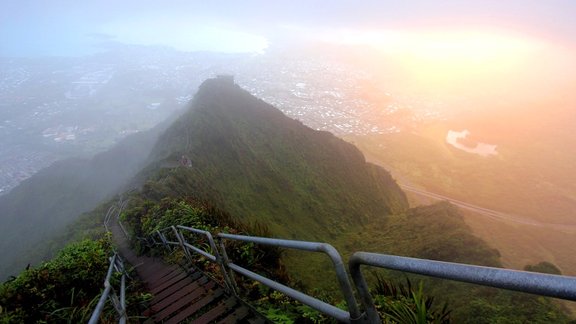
[[240, 155], [245, 149]]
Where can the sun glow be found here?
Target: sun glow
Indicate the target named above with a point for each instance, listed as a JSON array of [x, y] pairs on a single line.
[[445, 57], [475, 63]]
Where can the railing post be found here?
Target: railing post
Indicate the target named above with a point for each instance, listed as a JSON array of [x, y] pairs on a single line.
[[231, 285], [352, 315], [108, 216], [163, 240], [100, 306], [122, 292], [344, 282], [225, 268], [363, 291], [181, 240]]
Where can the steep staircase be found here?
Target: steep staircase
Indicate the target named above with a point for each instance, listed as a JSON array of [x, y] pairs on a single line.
[[181, 293]]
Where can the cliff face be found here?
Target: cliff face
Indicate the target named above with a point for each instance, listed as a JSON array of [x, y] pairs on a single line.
[[250, 159]]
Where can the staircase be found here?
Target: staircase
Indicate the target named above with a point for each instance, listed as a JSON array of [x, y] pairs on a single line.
[[185, 294], [181, 293]]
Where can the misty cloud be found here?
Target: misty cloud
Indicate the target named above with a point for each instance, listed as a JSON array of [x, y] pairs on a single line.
[[191, 35], [53, 27], [101, 36]]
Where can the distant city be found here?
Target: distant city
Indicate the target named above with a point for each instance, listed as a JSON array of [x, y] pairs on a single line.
[[54, 108]]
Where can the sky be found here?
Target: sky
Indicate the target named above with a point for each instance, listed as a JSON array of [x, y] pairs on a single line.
[[71, 28], [476, 48]]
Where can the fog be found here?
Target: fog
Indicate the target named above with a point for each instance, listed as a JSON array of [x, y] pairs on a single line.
[[78, 77], [69, 28]]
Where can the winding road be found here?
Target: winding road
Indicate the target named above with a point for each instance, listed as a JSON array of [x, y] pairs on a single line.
[[485, 211]]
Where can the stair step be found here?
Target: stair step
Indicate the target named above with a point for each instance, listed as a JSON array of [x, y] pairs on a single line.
[[222, 308], [184, 302], [196, 306], [178, 286], [169, 299], [159, 286], [237, 315]]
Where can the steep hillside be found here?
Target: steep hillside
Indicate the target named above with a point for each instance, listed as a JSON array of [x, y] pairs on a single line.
[[40, 207], [243, 157], [253, 161]]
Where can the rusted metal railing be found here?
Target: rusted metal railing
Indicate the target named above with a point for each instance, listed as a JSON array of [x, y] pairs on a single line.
[[353, 314], [119, 302], [557, 286]]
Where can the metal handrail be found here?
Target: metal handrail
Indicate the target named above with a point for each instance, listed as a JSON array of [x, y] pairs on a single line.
[[215, 257], [118, 208], [352, 315], [161, 233], [557, 286], [211, 257], [109, 216], [122, 206], [117, 264], [563, 287]]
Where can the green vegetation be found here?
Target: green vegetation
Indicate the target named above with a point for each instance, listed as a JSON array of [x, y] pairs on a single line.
[[40, 208], [544, 267], [436, 232], [249, 159], [508, 307], [399, 303], [64, 289], [250, 165], [146, 216], [531, 176]]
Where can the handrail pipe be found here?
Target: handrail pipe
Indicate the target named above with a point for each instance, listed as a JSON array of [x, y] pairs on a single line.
[[563, 287]]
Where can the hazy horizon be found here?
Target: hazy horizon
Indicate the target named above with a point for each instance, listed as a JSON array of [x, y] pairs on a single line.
[[34, 28], [467, 102], [502, 70], [505, 49]]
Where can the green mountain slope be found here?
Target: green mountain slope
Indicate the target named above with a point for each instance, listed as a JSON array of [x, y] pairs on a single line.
[[253, 161], [245, 157], [43, 205], [242, 156]]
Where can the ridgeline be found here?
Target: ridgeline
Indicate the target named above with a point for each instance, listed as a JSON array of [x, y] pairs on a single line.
[[245, 158], [248, 158]]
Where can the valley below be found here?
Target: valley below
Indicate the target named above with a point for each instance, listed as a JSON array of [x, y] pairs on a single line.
[[443, 132], [276, 175], [511, 212]]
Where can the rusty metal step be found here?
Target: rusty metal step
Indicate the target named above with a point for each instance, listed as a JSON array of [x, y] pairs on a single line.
[[182, 303], [182, 284], [218, 311], [258, 320], [196, 306], [147, 268], [162, 275], [237, 315], [161, 285], [182, 293]]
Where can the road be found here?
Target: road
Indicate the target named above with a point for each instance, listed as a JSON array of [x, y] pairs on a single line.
[[494, 214]]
